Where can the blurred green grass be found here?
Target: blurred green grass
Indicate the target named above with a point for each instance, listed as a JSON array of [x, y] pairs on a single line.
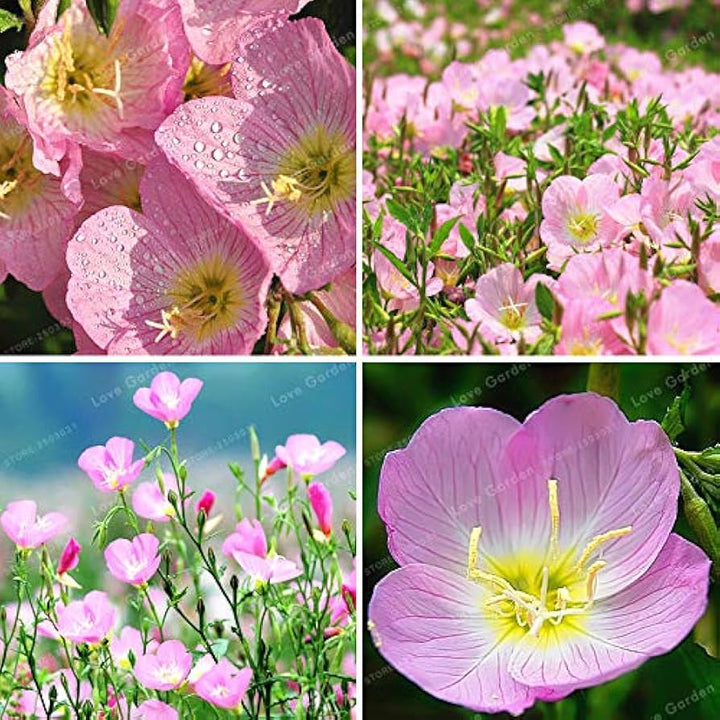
[[398, 397]]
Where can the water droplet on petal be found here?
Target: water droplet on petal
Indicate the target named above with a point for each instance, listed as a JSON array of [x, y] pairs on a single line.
[[237, 138], [199, 164], [199, 146], [218, 154], [216, 127]]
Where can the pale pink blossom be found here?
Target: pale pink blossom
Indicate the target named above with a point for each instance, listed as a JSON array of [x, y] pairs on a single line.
[[129, 640], [166, 668], [224, 685], [249, 537], [89, 620], [133, 561], [583, 38], [154, 710], [585, 332], [709, 264], [22, 525], [168, 399], [111, 466], [151, 503], [307, 456], [465, 203]]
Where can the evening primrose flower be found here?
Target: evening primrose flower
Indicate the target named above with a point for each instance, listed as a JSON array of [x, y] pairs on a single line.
[[111, 466], [109, 93], [165, 668], [88, 620], [168, 398], [307, 456], [133, 561], [536, 558], [279, 158], [22, 525], [224, 685]]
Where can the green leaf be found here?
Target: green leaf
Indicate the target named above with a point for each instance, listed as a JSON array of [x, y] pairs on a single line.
[[441, 235], [674, 421], [467, 237], [63, 5], [401, 214], [397, 263], [8, 21], [545, 301], [103, 12]]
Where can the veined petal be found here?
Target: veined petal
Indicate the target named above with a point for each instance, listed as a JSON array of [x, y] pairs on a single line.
[[619, 633], [427, 623]]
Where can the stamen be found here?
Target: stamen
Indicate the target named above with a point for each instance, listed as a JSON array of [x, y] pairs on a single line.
[[593, 570], [554, 517], [473, 551], [599, 540], [115, 92], [284, 188]]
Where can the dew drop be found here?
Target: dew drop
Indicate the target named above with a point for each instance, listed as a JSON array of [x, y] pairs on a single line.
[[199, 164], [218, 154], [237, 139], [199, 146], [216, 127]]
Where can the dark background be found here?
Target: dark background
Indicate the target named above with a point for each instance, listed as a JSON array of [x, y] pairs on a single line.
[[398, 397]]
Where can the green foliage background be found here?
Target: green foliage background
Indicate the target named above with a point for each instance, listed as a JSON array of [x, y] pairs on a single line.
[[398, 397]]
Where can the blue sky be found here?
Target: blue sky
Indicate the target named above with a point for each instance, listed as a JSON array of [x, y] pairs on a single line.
[[53, 411]]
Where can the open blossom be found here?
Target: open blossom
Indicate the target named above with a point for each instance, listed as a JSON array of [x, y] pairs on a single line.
[[111, 466], [168, 398], [177, 279], [322, 506], [505, 304], [249, 537], [151, 503], [283, 170], [575, 218], [224, 685], [583, 38], [89, 620], [70, 557], [22, 525], [684, 321], [559, 570], [133, 561], [108, 93], [129, 640], [307, 456], [584, 331], [154, 710], [36, 210], [165, 668]]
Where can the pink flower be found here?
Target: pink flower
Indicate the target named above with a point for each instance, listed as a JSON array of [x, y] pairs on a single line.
[[584, 333], [255, 158], [462, 204], [249, 537], [111, 466], [79, 87], [349, 588], [133, 561], [70, 556], [206, 502], [307, 456], [403, 295], [36, 210], [559, 570], [129, 640], [150, 502], [88, 620], [224, 685], [154, 710], [213, 28], [177, 279], [248, 547], [574, 216], [28, 531], [583, 38], [505, 304], [272, 467], [164, 669], [322, 506], [683, 322], [167, 398], [709, 264]]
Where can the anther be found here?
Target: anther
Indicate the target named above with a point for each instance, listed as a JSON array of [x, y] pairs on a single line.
[[599, 540], [554, 517]]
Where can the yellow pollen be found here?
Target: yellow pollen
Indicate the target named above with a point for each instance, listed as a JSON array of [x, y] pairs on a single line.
[[599, 540], [592, 572], [584, 226], [512, 315], [167, 324], [554, 518], [283, 188]]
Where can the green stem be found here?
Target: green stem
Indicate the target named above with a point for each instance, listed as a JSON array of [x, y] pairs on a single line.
[[604, 379]]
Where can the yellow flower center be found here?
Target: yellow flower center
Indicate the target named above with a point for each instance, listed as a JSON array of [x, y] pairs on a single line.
[[316, 174], [204, 80], [512, 315], [18, 176], [584, 227], [532, 593], [205, 299]]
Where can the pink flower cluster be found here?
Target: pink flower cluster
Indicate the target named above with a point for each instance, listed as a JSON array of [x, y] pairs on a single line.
[[154, 180], [627, 247]]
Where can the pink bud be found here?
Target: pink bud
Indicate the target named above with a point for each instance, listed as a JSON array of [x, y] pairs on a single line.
[[273, 466], [70, 556], [206, 502], [321, 503]]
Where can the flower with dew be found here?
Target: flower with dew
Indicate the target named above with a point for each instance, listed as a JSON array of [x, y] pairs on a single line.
[[22, 525], [279, 159], [684, 321], [307, 456], [168, 398], [111, 466], [505, 304], [89, 620], [248, 547], [177, 279], [166, 668], [133, 561], [575, 218], [224, 685], [129, 640], [109, 93], [154, 710], [151, 503], [536, 558], [213, 27], [321, 503], [36, 210]]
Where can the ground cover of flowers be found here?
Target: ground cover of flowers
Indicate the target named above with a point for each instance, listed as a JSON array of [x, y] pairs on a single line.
[[533, 185], [200, 610], [176, 177]]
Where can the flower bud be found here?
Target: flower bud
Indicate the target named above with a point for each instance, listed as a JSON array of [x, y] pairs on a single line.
[[70, 557]]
